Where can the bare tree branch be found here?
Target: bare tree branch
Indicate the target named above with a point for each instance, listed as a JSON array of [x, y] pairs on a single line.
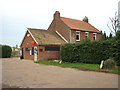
[[110, 29], [114, 24]]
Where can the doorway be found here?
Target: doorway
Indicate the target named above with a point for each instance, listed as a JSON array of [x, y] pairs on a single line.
[[35, 53], [21, 54]]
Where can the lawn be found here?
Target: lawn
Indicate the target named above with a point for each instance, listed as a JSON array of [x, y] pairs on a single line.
[[81, 66]]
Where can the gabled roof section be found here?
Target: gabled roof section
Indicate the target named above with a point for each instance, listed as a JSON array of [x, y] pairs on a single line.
[[45, 37], [79, 25]]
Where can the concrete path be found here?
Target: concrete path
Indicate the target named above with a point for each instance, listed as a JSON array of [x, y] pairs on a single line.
[[26, 73]]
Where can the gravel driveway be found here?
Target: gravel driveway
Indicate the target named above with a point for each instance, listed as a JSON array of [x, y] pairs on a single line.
[[26, 73]]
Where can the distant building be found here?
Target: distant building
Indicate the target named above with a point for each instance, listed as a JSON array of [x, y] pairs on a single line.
[[119, 14], [15, 51]]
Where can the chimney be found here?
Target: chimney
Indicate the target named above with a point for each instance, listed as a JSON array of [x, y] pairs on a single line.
[[57, 15], [85, 19]]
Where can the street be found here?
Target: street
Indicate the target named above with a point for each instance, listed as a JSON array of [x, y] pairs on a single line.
[[27, 74]]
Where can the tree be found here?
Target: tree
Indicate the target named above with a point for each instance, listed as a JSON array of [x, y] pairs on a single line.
[[103, 36], [85, 19], [114, 24], [16, 46], [110, 36], [6, 51]]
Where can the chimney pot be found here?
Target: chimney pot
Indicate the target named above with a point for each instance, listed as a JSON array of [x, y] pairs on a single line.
[[57, 14]]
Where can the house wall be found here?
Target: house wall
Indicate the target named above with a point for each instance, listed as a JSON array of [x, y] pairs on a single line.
[[58, 25], [82, 36], [48, 55], [44, 55], [27, 43]]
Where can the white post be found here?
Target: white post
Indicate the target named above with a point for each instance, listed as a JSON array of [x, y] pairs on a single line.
[[101, 65], [35, 53]]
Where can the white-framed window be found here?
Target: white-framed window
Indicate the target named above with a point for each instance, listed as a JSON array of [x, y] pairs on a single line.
[[77, 35], [73, 36], [94, 36], [86, 34]]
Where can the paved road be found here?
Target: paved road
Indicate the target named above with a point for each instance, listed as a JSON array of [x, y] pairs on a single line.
[[25, 73]]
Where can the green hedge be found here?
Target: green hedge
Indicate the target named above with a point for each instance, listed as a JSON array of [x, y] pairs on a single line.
[[117, 49], [90, 52], [6, 51]]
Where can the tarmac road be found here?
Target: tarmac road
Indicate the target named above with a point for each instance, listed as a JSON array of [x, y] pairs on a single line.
[[27, 74]]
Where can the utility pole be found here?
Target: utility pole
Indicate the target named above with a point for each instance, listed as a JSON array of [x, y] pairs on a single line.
[[119, 15]]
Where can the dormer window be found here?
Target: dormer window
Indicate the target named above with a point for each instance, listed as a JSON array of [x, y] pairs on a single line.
[[86, 34], [77, 35], [94, 36]]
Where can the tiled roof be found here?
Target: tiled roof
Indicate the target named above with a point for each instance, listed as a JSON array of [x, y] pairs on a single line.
[[46, 37], [79, 25]]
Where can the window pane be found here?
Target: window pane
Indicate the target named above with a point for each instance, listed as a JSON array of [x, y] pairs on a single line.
[[40, 50], [94, 36], [52, 48], [86, 35], [27, 49], [77, 37], [77, 32]]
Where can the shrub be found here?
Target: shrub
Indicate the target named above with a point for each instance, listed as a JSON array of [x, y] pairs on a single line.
[[109, 64], [6, 51], [117, 48], [83, 52], [92, 52]]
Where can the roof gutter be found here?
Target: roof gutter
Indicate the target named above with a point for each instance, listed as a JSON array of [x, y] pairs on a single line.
[[49, 44], [86, 31]]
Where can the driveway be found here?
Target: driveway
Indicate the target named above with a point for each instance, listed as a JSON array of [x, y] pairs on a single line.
[[26, 73]]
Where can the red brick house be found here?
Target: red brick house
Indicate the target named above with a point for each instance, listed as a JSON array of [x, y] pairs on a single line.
[[39, 44]]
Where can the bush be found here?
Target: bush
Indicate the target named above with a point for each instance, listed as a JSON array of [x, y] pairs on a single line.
[[83, 52], [91, 52], [109, 64], [117, 49], [6, 51]]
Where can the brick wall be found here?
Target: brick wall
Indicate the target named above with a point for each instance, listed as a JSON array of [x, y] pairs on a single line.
[[47, 55], [58, 25], [82, 36], [27, 43], [44, 55]]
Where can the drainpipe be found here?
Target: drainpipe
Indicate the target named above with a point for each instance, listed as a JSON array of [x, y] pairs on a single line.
[[70, 36]]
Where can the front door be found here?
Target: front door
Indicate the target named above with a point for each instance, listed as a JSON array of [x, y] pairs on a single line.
[[35, 53], [21, 54]]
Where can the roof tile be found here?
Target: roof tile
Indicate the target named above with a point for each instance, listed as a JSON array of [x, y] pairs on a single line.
[[79, 25]]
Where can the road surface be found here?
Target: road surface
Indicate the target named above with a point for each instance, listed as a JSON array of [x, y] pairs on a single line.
[[27, 74]]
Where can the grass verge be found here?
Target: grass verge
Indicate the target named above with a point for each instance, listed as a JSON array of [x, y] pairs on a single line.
[[82, 66]]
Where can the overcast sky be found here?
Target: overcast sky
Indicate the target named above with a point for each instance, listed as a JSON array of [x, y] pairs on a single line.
[[17, 15]]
